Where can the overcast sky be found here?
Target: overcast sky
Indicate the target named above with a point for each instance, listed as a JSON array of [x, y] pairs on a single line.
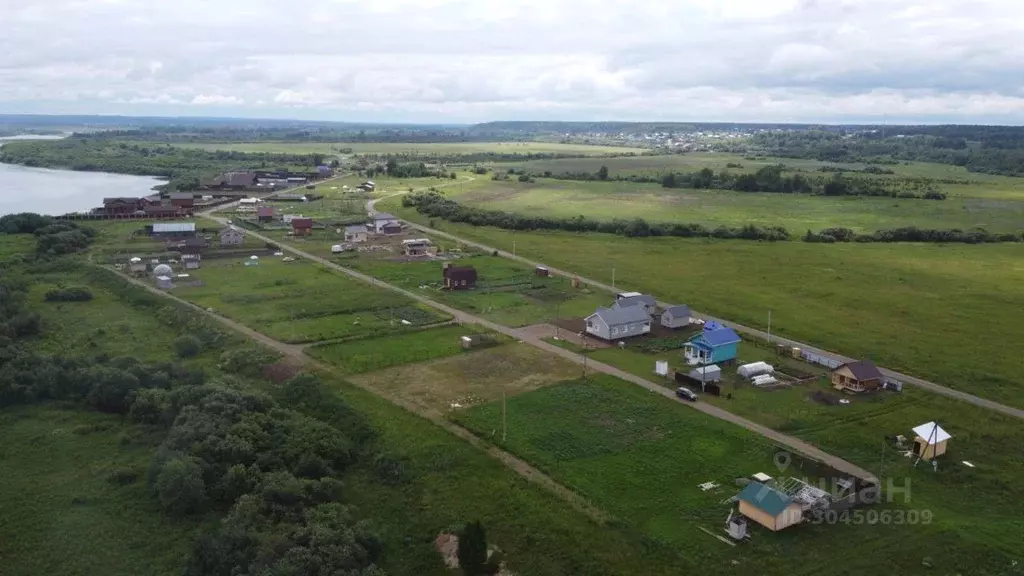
[[479, 60]]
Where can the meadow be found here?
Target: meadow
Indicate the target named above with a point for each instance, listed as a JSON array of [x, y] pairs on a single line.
[[299, 301], [641, 457], [439, 148], [996, 210], [929, 310], [63, 513]]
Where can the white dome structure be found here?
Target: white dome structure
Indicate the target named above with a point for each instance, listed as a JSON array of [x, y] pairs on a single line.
[[163, 270]]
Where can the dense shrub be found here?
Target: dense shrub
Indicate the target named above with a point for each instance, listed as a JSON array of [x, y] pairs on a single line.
[[187, 346], [72, 294]]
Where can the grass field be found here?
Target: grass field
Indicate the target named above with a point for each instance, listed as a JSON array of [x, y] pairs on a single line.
[[442, 148], [369, 354], [640, 457], [61, 514], [472, 377], [929, 310], [796, 212], [299, 301]]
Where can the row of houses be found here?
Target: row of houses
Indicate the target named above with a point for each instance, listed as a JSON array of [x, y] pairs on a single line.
[[251, 180]]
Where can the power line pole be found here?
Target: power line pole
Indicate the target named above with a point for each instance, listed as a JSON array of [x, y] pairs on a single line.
[[504, 417], [613, 277], [769, 325]]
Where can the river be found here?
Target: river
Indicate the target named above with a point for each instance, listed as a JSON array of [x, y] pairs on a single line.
[[56, 192]]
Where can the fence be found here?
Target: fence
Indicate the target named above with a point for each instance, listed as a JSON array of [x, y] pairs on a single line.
[[820, 359]]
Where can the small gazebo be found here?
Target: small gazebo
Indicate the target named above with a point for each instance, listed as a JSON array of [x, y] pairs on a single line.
[[930, 441]]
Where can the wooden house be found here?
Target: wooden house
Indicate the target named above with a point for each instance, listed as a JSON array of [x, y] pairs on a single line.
[[382, 219], [617, 323], [266, 214], [158, 211], [356, 233], [930, 441], [769, 507], [458, 278], [857, 376], [676, 317], [717, 345], [122, 206], [184, 200], [231, 236], [302, 226], [418, 247]]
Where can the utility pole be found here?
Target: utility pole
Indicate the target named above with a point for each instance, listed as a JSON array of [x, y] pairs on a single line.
[[613, 277], [769, 325], [513, 248], [504, 417]]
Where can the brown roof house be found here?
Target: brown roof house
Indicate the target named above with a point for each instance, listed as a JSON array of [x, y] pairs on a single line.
[[266, 213], [231, 236], [858, 376], [458, 278], [242, 180], [302, 226], [182, 199]]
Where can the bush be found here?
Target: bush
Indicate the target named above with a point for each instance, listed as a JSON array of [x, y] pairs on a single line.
[[180, 487], [187, 346], [72, 294]]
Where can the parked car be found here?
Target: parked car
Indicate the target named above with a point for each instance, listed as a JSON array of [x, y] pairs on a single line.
[[686, 394]]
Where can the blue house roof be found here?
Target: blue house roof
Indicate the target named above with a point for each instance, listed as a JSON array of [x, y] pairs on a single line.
[[715, 338], [765, 498]]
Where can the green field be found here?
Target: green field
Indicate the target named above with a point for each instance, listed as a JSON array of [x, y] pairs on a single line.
[[997, 210], [443, 148], [299, 301], [929, 310], [369, 354], [641, 457], [61, 513]]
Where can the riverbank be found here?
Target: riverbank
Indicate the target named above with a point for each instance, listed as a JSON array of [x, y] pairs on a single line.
[[54, 192]]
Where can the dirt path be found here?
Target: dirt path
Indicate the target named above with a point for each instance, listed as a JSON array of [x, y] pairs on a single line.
[[790, 442], [294, 356], [905, 378]]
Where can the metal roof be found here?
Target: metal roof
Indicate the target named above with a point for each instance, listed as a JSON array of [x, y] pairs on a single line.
[[628, 301], [932, 433], [355, 228], [681, 311], [174, 227], [863, 370], [384, 216], [619, 316], [719, 337], [765, 498]]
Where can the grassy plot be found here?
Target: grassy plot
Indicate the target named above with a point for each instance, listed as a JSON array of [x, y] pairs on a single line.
[[641, 457], [910, 307], [369, 354], [440, 148], [471, 378], [63, 513], [796, 212], [300, 302]]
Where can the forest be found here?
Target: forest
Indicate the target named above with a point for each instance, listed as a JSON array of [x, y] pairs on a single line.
[[182, 167]]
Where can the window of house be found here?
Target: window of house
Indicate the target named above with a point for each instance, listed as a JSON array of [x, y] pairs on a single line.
[[615, 329], [632, 326]]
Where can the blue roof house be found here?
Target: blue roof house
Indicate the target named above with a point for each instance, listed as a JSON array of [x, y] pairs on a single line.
[[712, 346]]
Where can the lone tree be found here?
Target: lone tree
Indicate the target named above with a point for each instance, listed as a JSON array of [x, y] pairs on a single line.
[[187, 346], [602, 173], [473, 549]]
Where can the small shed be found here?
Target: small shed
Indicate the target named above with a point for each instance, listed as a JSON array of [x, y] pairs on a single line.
[[181, 229], [711, 346], [676, 317], [709, 373], [163, 282], [930, 441], [542, 271], [391, 228], [474, 341], [769, 507], [357, 233], [418, 247], [302, 226], [458, 278], [137, 266]]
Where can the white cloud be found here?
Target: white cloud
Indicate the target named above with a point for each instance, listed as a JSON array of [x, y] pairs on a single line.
[[465, 60]]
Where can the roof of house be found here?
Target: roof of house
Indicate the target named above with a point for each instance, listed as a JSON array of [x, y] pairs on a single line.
[[459, 273], [302, 222], [765, 498], [241, 178], [266, 211], [384, 216], [932, 433], [174, 227], [161, 208], [619, 316], [863, 370], [719, 337], [181, 196], [120, 199], [628, 301], [289, 196], [355, 229], [212, 181], [230, 229], [681, 311]]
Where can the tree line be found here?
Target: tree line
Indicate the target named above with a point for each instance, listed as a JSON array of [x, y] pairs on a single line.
[[53, 237], [182, 167], [435, 205]]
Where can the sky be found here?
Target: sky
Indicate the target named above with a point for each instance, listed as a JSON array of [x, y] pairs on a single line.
[[462, 61]]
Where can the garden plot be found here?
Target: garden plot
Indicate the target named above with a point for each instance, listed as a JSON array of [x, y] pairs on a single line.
[[298, 301], [471, 378]]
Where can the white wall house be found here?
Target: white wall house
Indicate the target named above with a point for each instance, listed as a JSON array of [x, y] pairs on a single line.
[[382, 219], [616, 323]]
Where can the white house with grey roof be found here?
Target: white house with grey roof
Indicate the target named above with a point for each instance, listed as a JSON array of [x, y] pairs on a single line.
[[676, 316], [616, 323], [382, 219], [645, 300], [355, 233]]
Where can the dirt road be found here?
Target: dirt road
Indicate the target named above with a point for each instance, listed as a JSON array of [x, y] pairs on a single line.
[[905, 378], [777, 437]]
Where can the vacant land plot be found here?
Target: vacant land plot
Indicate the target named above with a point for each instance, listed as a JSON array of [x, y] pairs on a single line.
[[796, 212], [369, 354], [641, 457], [442, 148], [300, 302], [63, 514], [471, 378], [906, 306]]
